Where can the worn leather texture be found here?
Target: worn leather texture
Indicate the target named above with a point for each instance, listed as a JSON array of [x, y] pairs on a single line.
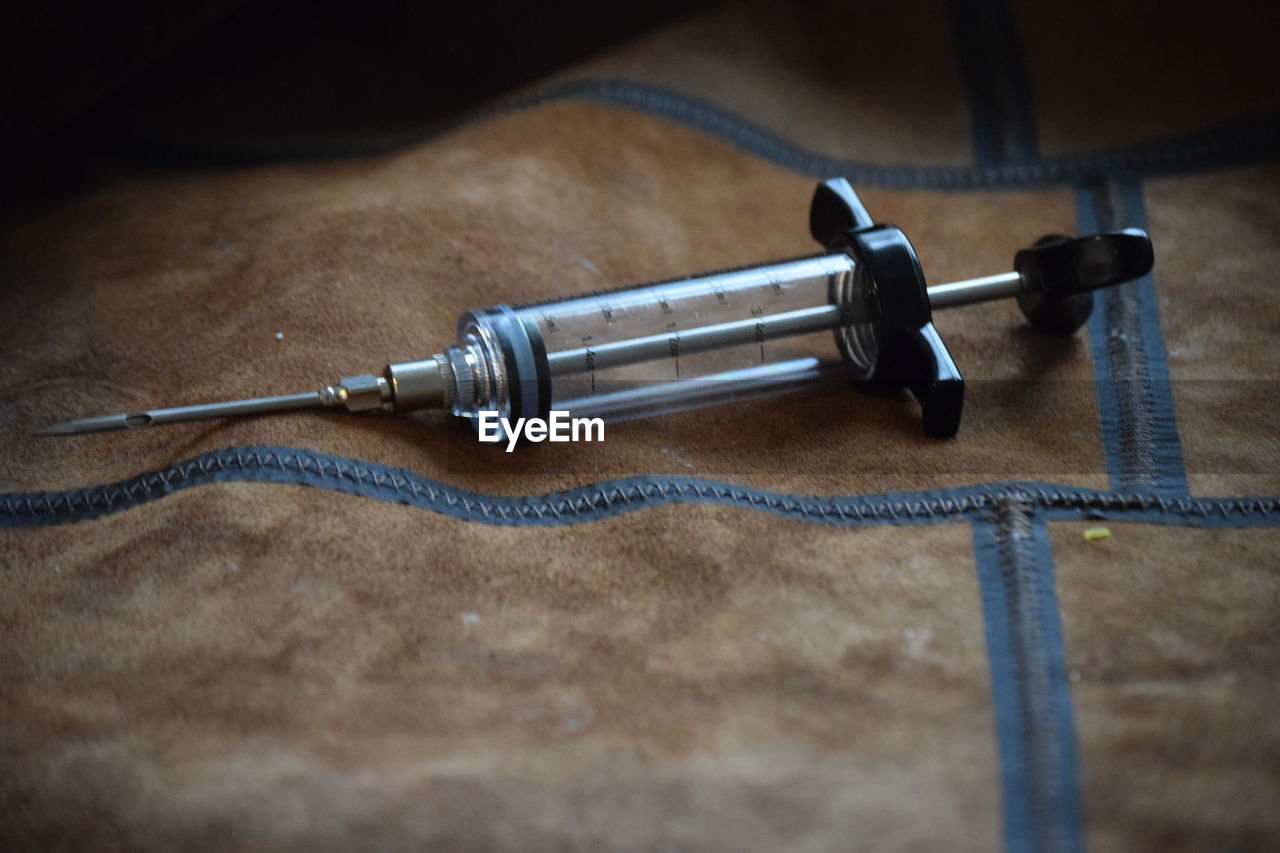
[[790, 623]]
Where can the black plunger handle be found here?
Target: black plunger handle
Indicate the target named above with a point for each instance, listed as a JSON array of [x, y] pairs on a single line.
[[1059, 274]]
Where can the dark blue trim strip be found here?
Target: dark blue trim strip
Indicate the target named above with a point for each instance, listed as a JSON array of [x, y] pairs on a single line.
[[1015, 802], [1035, 728], [1000, 101], [1135, 397], [252, 464], [1246, 141]]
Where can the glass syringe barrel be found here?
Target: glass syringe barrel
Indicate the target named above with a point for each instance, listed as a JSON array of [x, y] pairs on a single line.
[[696, 340], [683, 343]]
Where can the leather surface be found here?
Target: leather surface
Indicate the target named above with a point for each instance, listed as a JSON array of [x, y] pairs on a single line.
[[218, 656], [273, 681], [1219, 311], [1145, 677]]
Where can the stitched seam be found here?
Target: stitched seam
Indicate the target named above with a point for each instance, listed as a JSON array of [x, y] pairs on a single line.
[[1247, 141], [1138, 423], [589, 501], [1156, 157], [1035, 678], [1126, 353]]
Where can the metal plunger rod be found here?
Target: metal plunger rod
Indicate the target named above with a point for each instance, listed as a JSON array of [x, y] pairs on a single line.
[[362, 393], [1003, 286]]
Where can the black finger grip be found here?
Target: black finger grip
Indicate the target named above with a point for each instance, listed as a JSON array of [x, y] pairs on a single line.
[[911, 355]]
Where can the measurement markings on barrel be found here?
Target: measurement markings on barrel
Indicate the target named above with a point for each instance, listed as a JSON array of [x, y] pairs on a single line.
[[589, 357]]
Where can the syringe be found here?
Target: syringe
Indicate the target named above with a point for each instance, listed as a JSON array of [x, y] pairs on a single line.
[[693, 342]]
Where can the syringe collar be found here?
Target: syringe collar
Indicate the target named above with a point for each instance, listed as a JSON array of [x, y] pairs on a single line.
[[911, 354]]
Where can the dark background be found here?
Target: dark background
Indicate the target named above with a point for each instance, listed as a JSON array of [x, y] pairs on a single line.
[[98, 86]]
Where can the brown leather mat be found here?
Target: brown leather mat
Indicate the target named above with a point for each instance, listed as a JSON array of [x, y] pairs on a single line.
[[494, 687], [268, 643], [1179, 645], [1218, 309]]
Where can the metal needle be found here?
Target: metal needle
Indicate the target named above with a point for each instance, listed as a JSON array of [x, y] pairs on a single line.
[[354, 393], [155, 417]]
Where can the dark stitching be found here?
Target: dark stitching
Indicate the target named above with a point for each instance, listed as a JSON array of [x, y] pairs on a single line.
[[1259, 137], [1126, 351], [1045, 781], [1138, 423], [1241, 142], [586, 503]]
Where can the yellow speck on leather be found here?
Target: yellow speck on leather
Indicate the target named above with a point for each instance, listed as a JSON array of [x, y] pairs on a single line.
[[1097, 533]]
